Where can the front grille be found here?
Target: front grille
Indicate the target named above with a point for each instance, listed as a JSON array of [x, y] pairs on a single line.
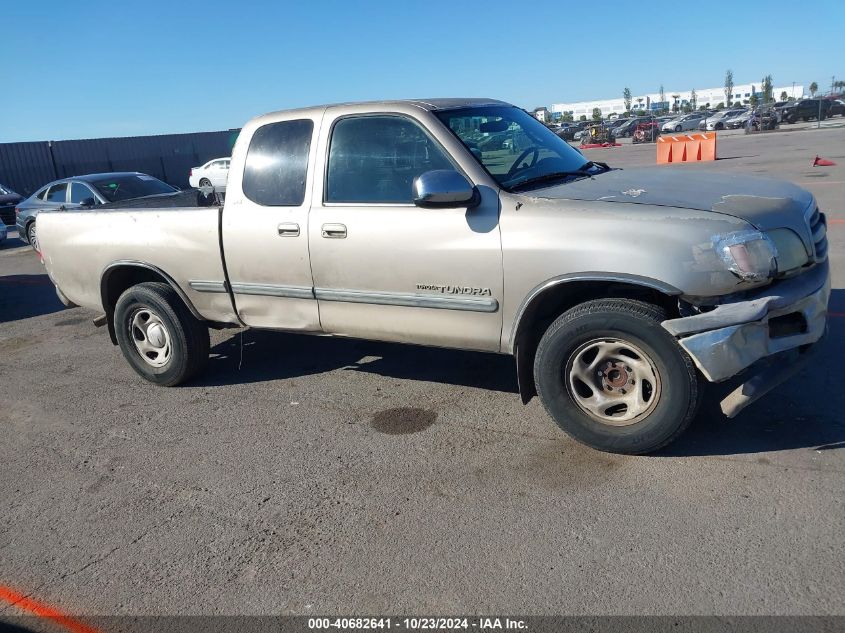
[[818, 231]]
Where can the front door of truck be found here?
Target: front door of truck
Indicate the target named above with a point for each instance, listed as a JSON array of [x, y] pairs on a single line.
[[386, 269], [265, 224]]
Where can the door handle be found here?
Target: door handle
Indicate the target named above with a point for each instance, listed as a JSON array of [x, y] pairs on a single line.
[[336, 231], [289, 229]]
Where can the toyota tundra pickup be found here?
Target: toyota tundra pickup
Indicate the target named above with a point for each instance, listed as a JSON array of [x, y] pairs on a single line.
[[468, 224]]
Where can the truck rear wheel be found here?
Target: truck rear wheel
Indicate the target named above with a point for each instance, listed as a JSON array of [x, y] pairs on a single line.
[[159, 337], [612, 378]]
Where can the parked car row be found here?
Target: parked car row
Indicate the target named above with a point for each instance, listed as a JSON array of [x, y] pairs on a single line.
[[85, 192], [8, 200], [711, 120], [718, 120], [93, 190], [806, 109]]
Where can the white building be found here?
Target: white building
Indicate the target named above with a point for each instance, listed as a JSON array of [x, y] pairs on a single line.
[[708, 97]]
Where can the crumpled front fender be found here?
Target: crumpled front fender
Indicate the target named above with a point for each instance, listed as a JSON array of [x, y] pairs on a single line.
[[735, 335]]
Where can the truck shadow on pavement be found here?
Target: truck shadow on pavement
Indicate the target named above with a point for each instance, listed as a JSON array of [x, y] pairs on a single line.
[[25, 296], [276, 355], [800, 414]]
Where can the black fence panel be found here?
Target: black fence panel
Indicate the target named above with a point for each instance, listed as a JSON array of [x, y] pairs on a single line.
[[27, 166], [75, 158]]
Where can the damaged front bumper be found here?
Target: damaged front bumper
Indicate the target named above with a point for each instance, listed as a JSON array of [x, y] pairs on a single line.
[[790, 315]]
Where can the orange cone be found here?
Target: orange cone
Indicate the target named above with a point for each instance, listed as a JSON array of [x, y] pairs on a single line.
[[823, 162]]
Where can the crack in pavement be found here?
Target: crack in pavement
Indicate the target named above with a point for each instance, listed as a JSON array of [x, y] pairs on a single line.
[[96, 561]]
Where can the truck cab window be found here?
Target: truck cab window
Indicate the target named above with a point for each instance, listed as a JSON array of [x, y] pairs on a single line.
[[277, 163], [510, 144], [374, 159]]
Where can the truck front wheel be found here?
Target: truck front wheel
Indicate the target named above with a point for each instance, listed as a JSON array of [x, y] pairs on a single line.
[[158, 336], [612, 378]]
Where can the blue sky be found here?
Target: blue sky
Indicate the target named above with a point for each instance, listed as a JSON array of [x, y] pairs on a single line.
[[109, 68]]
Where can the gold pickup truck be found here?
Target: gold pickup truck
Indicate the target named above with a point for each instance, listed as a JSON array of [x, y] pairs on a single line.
[[466, 223]]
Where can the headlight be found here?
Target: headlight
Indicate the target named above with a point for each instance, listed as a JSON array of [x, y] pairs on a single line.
[[750, 255], [791, 253]]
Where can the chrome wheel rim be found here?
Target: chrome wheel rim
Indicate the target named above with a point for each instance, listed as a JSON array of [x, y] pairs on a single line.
[[151, 338], [613, 381], [33, 238]]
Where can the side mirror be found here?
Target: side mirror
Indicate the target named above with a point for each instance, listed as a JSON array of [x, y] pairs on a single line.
[[443, 188]]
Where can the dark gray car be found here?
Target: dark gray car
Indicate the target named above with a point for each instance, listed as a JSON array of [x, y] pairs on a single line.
[[81, 192], [8, 200]]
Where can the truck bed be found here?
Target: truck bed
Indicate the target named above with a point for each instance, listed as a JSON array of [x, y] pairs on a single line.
[[188, 198], [181, 242]]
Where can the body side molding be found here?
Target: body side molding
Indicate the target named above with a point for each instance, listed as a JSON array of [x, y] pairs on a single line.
[[474, 304], [471, 304]]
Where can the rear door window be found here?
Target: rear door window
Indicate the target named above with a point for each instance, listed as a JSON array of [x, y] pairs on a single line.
[[277, 163], [57, 193]]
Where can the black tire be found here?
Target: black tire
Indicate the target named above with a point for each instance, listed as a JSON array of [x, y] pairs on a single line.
[[634, 322], [188, 340], [32, 236], [205, 182]]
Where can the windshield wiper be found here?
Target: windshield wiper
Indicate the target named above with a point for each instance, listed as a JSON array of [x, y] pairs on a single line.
[[583, 171]]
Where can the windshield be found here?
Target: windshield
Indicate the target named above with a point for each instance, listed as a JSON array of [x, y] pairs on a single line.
[[510, 144], [128, 186]]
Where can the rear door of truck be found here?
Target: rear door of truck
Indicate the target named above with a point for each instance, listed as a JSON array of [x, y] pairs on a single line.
[[265, 223]]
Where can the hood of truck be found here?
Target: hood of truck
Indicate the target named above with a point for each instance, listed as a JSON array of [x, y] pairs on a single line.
[[765, 203]]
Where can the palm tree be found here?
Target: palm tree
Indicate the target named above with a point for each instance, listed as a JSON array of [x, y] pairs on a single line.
[[814, 87]]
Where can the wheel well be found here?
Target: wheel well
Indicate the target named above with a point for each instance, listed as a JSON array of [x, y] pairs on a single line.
[[119, 278], [551, 303]]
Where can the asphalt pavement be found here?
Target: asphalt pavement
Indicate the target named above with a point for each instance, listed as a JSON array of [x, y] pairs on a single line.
[[304, 475]]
